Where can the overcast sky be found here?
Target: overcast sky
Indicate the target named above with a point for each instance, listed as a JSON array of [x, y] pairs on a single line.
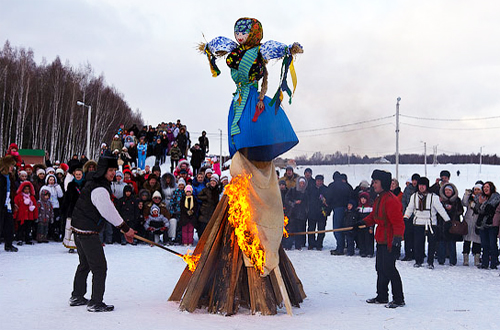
[[441, 57]]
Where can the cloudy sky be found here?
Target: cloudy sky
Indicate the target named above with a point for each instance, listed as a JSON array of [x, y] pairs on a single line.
[[441, 57]]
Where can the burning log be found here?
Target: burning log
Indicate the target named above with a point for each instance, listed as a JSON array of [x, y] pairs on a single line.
[[226, 279]]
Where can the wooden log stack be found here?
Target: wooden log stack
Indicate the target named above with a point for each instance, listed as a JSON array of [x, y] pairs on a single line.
[[222, 283]]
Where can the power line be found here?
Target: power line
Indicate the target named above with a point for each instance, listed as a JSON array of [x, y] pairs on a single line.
[[451, 129], [350, 130], [450, 119], [345, 125]]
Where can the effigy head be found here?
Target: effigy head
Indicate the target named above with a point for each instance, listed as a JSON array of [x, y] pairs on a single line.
[[248, 31]]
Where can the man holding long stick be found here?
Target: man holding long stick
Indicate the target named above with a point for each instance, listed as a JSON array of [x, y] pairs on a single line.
[[93, 208], [387, 214]]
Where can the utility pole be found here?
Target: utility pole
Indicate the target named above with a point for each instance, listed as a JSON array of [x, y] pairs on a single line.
[[425, 156], [220, 150], [397, 138], [480, 158], [435, 151], [348, 155]]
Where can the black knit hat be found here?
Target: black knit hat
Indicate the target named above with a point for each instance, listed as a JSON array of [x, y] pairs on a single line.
[[423, 181], [384, 177], [319, 177], [445, 173], [415, 177]]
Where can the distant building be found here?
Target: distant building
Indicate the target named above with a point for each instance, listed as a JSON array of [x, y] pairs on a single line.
[[382, 160]]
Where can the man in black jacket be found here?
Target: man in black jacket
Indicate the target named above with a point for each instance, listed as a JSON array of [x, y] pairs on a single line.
[[92, 209], [339, 193], [7, 201], [318, 211]]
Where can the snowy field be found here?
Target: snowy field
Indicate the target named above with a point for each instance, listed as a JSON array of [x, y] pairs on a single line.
[[36, 283]]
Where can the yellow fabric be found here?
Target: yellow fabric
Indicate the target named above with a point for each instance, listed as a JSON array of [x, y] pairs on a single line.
[[294, 76], [267, 208], [188, 202]]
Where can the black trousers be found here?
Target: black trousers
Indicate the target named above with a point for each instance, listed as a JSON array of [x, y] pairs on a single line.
[[6, 226], [313, 240], [419, 243], [409, 241], [385, 264], [92, 259]]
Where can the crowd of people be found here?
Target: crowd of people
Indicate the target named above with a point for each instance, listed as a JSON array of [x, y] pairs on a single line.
[[38, 200], [170, 207], [433, 214]]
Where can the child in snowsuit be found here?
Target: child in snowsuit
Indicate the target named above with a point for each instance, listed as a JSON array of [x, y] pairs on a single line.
[[156, 224], [351, 218], [45, 216], [188, 216], [366, 238], [26, 212]]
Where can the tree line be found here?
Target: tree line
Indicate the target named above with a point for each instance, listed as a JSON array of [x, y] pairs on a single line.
[[39, 109], [339, 158]]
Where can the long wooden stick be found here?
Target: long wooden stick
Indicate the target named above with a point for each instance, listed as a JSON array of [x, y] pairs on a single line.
[[324, 231], [158, 245], [283, 291]]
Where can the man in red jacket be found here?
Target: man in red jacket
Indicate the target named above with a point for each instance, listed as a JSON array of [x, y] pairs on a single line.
[[388, 216]]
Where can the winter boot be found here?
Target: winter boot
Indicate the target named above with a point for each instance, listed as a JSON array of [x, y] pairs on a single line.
[[466, 259], [477, 259]]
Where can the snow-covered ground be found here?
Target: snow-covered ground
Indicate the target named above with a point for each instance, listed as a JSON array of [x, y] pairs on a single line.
[[36, 282]]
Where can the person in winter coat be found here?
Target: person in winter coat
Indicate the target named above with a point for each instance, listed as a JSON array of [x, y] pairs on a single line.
[[472, 238], [409, 234], [290, 177], [158, 152], [390, 228], [209, 198], [168, 185], [175, 154], [129, 211], [188, 215], [125, 157], [56, 192], [156, 224], [365, 235], [339, 193], [7, 205], [351, 218], [142, 151], [70, 198], [453, 206], [152, 185], [297, 204], [486, 207], [164, 210], [38, 181], [13, 151], [118, 186], [116, 144], [45, 216], [182, 141], [396, 190], [197, 158], [424, 207], [317, 212], [26, 213], [204, 143]]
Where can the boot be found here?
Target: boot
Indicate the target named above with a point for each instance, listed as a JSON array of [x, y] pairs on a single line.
[[466, 259], [477, 259]]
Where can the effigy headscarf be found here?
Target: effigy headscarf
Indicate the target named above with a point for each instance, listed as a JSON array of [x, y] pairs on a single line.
[[254, 29]]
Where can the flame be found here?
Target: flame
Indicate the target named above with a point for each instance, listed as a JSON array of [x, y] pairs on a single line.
[[191, 260], [240, 217], [285, 222]]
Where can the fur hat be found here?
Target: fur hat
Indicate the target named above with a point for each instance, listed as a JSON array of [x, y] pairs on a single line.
[[215, 178], [60, 171], [364, 184], [445, 173], [40, 171], [64, 167], [50, 169], [423, 181], [103, 165], [384, 177], [415, 177], [119, 173], [49, 176], [156, 194], [364, 195], [319, 177]]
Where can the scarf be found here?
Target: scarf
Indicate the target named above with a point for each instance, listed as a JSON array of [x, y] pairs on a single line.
[[189, 202], [28, 202], [422, 198]]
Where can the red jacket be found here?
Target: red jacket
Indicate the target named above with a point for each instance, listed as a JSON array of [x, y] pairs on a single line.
[[387, 214], [23, 213]]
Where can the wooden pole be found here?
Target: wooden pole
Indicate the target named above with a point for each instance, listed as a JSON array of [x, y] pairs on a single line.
[[158, 245], [324, 231], [283, 291]]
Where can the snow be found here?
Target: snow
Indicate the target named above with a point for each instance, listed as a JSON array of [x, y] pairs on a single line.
[[36, 283]]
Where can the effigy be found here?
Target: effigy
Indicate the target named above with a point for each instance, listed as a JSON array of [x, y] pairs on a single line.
[[239, 261]]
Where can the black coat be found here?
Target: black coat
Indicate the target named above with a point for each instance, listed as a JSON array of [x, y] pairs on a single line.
[[185, 217], [70, 198], [209, 198], [351, 217], [129, 211], [297, 211], [316, 205], [339, 193], [196, 157]]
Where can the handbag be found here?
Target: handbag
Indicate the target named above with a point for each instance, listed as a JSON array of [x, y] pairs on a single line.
[[458, 228]]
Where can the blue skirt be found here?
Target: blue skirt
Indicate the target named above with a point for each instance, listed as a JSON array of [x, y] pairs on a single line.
[[267, 138]]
